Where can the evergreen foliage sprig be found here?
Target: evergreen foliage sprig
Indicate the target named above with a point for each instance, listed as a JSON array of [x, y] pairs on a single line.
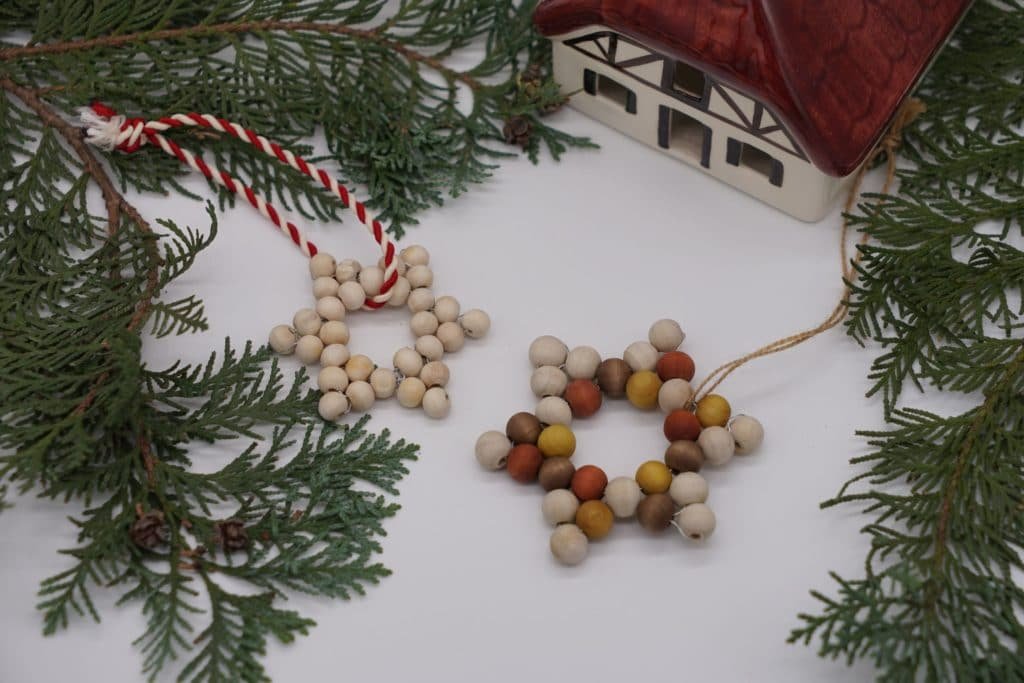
[[940, 289], [300, 507]]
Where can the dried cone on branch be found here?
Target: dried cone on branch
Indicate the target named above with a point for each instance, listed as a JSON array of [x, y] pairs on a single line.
[[518, 130], [149, 530], [231, 535]]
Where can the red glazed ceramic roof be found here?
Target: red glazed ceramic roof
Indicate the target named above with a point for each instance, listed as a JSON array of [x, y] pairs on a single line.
[[835, 71]]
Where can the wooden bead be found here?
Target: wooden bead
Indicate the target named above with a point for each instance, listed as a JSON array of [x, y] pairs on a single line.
[[330, 308], [681, 425], [684, 456], [415, 255], [384, 382], [371, 279], [347, 270], [642, 389], [475, 323], [696, 521], [360, 395], [666, 335], [523, 428], [589, 482], [547, 350], [688, 488], [559, 506], [569, 544], [436, 403], [333, 405], [612, 376], [717, 445], [713, 411], [408, 362], [675, 365], [654, 476], [321, 264], [492, 450], [430, 347], [447, 309], [548, 380], [675, 394], [420, 299], [309, 348], [306, 321], [622, 495], [352, 295], [435, 374], [420, 276], [451, 336], [423, 323], [556, 473], [583, 397], [334, 332], [359, 368], [410, 392], [553, 410], [557, 441], [283, 339], [332, 378], [524, 462], [582, 362], [335, 355], [655, 512], [325, 286], [595, 519], [747, 432], [400, 293], [641, 355]]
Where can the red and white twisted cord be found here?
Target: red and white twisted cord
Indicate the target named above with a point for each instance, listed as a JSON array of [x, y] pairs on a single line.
[[108, 130]]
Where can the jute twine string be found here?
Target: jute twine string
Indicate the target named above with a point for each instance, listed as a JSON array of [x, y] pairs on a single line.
[[888, 145]]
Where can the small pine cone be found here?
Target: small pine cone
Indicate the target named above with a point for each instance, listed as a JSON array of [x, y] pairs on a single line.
[[533, 73], [518, 130], [149, 530], [231, 535], [552, 107]]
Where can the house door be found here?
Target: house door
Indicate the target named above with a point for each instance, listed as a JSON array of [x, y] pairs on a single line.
[[684, 134]]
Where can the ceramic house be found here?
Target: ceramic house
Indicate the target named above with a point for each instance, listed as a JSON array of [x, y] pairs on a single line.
[[783, 99]]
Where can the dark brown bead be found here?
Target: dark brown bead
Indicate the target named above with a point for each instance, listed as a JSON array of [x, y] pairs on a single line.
[[655, 511], [556, 473], [684, 456], [524, 462], [612, 375], [523, 428], [583, 397]]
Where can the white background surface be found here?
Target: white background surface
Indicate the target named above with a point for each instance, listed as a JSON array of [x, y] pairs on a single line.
[[592, 250]]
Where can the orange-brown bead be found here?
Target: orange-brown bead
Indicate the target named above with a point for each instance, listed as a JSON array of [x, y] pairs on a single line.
[[524, 462], [583, 397], [682, 425], [595, 519], [675, 364], [588, 482]]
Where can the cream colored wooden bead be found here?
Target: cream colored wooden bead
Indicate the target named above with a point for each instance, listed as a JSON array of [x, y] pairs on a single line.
[[420, 276], [415, 255], [334, 332], [324, 286], [435, 374], [399, 265], [306, 321], [696, 521], [309, 348], [674, 394], [452, 337], [352, 295], [330, 308], [548, 350], [717, 444], [347, 270], [371, 279], [283, 339], [569, 544], [321, 265], [447, 308], [332, 378], [430, 347], [622, 495], [334, 355], [475, 323], [548, 380], [410, 392], [384, 382], [421, 299], [688, 488], [492, 449], [552, 410], [408, 361], [641, 355], [436, 403], [333, 405], [359, 368], [423, 323], [400, 293], [582, 362], [559, 506], [360, 396], [666, 335], [747, 432]]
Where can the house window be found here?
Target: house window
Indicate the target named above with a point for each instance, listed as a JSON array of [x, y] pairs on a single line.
[[746, 155], [609, 89], [688, 80], [684, 134]]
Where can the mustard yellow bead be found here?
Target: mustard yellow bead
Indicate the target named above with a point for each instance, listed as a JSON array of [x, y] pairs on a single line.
[[557, 441], [642, 389], [713, 411], [595, 519], [654, 477]]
